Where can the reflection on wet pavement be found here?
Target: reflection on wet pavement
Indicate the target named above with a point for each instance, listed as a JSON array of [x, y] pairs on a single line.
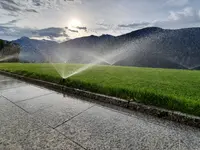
[[35, 118]]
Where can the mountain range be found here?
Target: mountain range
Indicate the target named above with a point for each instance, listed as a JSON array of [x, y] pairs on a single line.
[[32, 50], [148, 47]]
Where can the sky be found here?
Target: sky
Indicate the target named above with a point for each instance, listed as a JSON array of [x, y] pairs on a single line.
[[62, 20]]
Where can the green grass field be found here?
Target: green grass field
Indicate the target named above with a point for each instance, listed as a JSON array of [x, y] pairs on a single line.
[[167, 88]]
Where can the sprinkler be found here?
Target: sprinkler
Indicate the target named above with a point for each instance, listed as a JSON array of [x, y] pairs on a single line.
[[62, 81]]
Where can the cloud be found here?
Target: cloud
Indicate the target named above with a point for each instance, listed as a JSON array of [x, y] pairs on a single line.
[[36, 2], [13, 21], [71, 30], [104, 24], [51, 32], [50, 3], [14, 31], [18, 7], [8, 6], [81, 28], [9, 22], [188, 16], [13, 8], [105, 27], [47, 33], [31, 10], [183, 18], [9, 1], [76, 31], [177, 2], [134, 25]]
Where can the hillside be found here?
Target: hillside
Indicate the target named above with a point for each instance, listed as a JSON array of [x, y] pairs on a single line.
[[148, 47], [34, 50]]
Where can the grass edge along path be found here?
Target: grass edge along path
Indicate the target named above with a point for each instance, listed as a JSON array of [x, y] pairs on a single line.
[[141, 96]]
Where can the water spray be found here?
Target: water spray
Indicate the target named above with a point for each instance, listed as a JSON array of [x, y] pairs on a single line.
[[7, 58], [61, 56]]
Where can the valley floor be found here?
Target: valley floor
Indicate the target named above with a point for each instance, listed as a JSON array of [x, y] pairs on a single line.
[[167, 88]]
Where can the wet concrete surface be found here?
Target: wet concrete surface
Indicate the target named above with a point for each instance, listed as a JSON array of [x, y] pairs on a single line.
[[36, 118]]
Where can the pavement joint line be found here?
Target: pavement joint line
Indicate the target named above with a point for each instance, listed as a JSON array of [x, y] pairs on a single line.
[[132, 115], [178, 117], [47, 124], [15, 104], [71, 140], [43, 123], [59, 131], [74, 116], [50, 126], [34, 97]]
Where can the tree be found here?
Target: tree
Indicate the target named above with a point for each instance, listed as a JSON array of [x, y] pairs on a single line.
[[1, 44]]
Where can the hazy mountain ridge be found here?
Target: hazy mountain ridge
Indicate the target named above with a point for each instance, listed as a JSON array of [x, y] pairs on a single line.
[[152, 47], [148, 47], [32, 50]]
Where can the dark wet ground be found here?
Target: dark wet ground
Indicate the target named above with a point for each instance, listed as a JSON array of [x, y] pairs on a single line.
[[35, 118]]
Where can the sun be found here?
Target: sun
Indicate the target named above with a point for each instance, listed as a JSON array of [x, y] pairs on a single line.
[[74, 23]]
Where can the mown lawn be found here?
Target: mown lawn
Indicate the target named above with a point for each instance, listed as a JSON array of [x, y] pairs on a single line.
[[167, 88]]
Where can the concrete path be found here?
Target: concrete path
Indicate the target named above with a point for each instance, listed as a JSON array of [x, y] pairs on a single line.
[[36, 118]]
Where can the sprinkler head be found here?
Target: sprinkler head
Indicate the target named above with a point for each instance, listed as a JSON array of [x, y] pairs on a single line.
[[62, 80]]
